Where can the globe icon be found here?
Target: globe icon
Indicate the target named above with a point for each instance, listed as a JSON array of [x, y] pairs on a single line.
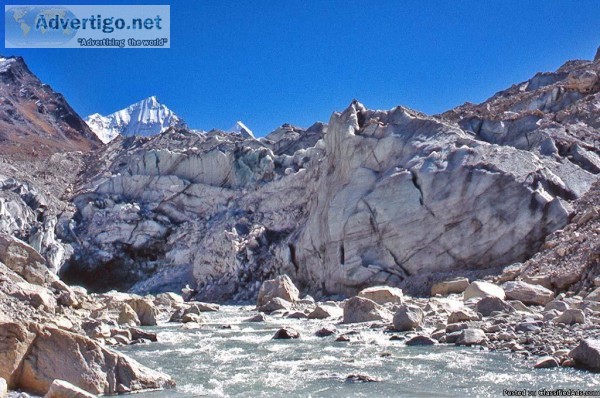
[[25, 26]]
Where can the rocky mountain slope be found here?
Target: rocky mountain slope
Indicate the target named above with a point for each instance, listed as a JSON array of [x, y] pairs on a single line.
[[374, 197], [36, 121], [144, 118]]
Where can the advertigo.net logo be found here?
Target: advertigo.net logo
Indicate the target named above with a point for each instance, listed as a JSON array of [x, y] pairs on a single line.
[[89, 26]]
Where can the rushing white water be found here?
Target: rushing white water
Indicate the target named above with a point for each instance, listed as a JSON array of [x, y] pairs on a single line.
[[244, 361]]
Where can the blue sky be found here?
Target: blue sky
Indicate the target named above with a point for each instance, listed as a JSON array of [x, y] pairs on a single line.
[[272, 62]]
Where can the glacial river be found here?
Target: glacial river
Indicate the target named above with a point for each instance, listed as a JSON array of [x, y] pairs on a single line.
[[244, 361]]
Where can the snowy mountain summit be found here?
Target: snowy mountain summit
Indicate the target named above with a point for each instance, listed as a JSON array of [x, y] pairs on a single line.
[[145, 118]]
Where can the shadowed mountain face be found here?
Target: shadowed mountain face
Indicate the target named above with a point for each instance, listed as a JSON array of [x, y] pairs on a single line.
[[36, 121]]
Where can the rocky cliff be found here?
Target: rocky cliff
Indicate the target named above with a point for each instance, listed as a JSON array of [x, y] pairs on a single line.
[[373, 197]]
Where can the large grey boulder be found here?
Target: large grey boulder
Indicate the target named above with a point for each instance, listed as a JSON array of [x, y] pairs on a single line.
[[528, 293], [444, 288], [274, 304], [571, 316], [471, 336], [15, 341], [34, 295], [463, 315], [145, 309], [326, 310], [24, 260], [58, 354], [281, 287], [558, 305], [487, 305], [359, 309], [480, 289], [587, 354], [382, 294], [408, 317]]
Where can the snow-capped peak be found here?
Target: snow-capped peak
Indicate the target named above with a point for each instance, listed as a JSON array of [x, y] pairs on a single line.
[[241, 128], [145, 118]]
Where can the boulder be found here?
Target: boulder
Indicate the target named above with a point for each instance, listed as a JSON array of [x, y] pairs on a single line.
[[325, 331], [571, 317], [457, 285], [520, 307], [528, 293], [96, 329], [281, 287], [3, 388], [420, 340], [286, 333], [57, 354], [551, 314], [546, 362], [463, 315], [25, 261], [487, 305], [470, 337], [382, 294], [298, 315], [169, 299], [456, 327], [275, 304], [204, 307], [34, 295], [557, 305], [358, 309], [323, 311], [121, 332], [587, 354], [66, 296], [145, 310], [479, 289], [408, 317], [192, 318], [257, 318], [15, 340], [528, 327], [543, 280], [137, 334], [127, 316], [63, 389]]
